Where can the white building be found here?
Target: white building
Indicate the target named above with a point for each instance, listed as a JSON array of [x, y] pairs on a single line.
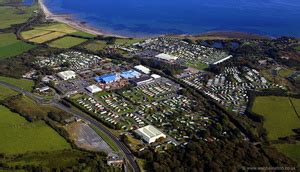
[[150, 134], [143, 69], [66, 75], [167, 57], [93, 89], [155, 76]]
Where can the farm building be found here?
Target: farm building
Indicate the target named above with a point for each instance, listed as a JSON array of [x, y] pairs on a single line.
[[150, 134], [109, 78], [167, 57], [142, 69], [130, 74], [93, 89], [66, 75]]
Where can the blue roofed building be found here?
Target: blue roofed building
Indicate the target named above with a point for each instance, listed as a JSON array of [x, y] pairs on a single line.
[[130, 74], [108, 78]]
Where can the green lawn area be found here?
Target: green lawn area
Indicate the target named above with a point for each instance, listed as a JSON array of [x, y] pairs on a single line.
[[13, 15], [285, 72], [84, 34], [66, 42], [290, 150], [21, 83], [197, 65], [127, 41], [297, 47], [21, 136], [280, 117], [96, 46], [10, 46]]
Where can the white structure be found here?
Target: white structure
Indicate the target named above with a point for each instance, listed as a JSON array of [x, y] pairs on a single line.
[[166, 57], [66, 75], [155, 76], [143, 69], [222, 60], [93, 89], [150, 134]]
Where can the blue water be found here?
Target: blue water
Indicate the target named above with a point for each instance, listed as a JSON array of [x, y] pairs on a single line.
[[155, 17], [27, 2]]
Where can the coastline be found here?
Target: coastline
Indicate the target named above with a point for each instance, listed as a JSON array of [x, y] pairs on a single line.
[[70, 21]]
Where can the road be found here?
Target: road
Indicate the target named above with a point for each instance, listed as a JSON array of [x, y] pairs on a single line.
[[128, 155]]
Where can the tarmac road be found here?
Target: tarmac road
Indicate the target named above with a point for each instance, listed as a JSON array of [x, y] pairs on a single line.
[[128, 155]]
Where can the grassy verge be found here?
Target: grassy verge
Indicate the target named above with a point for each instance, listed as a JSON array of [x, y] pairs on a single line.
[[106, 139], [21, 83]]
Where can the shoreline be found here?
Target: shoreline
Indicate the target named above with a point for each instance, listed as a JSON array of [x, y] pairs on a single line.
[[70, 21]]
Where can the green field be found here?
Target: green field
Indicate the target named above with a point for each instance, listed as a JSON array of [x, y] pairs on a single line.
[[21, 83], [285, 72], [297, 47], [34, 33], [280, 117], [13, 15], [96, 46], [127, 41], [197, 65], [10, 46], [21, 136], [66, 42], [290, 150], [57, 27], [84, 34], [47, 37]]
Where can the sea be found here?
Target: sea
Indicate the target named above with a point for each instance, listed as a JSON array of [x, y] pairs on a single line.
[[136, 18]]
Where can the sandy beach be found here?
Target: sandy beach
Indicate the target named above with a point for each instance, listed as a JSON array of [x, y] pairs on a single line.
[[70, 21]]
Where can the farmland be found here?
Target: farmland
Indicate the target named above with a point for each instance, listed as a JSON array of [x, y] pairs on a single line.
[[21, 83], [280, 117], [10, 46], [45, 33], [96, 46], [5, 93], [22, 136], [66, 42], [12, 15], [291, 150]]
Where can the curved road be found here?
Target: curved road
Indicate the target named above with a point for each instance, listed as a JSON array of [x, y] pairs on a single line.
[[128, 155]]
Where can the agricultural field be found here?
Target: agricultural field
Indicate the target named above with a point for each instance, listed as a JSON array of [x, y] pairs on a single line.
[[290, 150], [280, 116], [66, 42], [21, 83], [12, 15], [96, 46], [22, 136], [45, 33], [47, 37], [284, 72], [297, 47], [84, 34], [10, 46]]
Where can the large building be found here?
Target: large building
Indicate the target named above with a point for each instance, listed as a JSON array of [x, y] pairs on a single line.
[[150, 134], [93, 89], [142, 80], [142, 69], [167, 57], [109, 78], [66, 75], [130, 74]]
